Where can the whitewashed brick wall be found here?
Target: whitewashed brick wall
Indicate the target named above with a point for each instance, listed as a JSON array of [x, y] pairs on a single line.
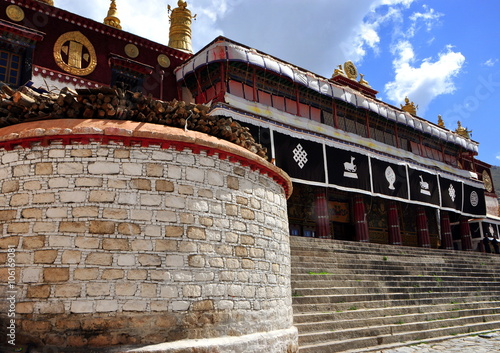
[[143, 245]]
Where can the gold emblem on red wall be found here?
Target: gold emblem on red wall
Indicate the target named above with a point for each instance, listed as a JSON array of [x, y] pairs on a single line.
[[74, 53]]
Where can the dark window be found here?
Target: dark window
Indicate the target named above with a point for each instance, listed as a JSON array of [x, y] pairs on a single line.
[[10, 67]]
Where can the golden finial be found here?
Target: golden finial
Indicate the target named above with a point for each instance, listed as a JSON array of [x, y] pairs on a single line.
[[363, 81], [338, 71], [409, 107], [180, 27], [48, 2], [440, 121], [112, 19], [462, 131]]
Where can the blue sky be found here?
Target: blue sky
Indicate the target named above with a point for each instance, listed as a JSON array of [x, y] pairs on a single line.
[[443, 54]]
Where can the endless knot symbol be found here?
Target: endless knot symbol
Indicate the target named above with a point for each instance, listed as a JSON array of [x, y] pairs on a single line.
[[300, 156]]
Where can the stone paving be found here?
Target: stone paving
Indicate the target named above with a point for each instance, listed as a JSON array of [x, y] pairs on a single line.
[[482, 343]]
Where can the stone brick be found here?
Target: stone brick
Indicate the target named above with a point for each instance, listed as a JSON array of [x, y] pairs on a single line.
[[247, 264], [185, 190], [241, 200], [175, 261], [44, 169], [231, 210], [141, 245], [72, 227], [164, 185], [19, 200], [233, 182], [149, 260], [70, 168], [82, 307], [117, 184], [18, 228], [175, 202], [127, 198], [196, 233], [129, 229], [115, 213], [10, 157], [202, 305], [148, 290], [70, 290], [135, 305], [150, 200], [102, 227], [21, 170], [154, 170], [160, 275], [71, 257], [165, 245], [81, 152], [140, 184], [10, 186], [125, 289], [215, 178], [186, 218], [169, 291], [232, 263], [25, 307], [162, 156], [174, 231], [102, 259], [103, 306], [126, 260], [44, 227], [166, 216], [35, 242], [5, 242], [152, 231], [191, 291], [247, 240], [195, 174], [112, 274], [104, 168], [55, 183], [7, 215], [31, 275], [98, 289], [44, 198], [132, 168], [33, 185], [57, 212], [85, 211], [86, 273], [101, 196], [137, 274], [56, 274], [45, 256], [31, 213], [196, 261], [73, 196], [115, 244], [190, 247], [38, 291], [57, 153], [60, 240], [88, 182], [87, 243]]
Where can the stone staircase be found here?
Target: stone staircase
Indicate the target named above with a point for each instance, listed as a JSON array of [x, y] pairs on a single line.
[[358, 297]]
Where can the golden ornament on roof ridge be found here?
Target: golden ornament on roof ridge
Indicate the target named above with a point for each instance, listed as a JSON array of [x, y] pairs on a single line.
[[180, 27], [112, 18]]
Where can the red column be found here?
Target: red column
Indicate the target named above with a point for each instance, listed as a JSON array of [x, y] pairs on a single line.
[[322, 217], [446, 237], [360, 220], [393, 224], [424, 240], [465, 234]]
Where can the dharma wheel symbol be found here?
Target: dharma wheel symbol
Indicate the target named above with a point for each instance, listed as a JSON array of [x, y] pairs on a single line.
[[474, 199]]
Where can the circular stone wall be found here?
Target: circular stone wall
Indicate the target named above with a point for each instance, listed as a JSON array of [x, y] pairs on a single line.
[[136, 234]]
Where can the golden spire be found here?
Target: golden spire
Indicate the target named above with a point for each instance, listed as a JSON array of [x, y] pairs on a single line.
[[112, 19], [409, 107], [180, 27], [440, 121], [462, 131], [48, 2]]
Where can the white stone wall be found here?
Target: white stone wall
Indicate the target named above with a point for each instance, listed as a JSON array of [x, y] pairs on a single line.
[[142, 245]]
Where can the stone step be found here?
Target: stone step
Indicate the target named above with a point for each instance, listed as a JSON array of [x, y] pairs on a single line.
[[372, 304], [391, 329], [311, 317], [357, 344], [346, 275], [315, 283], [338, 321]]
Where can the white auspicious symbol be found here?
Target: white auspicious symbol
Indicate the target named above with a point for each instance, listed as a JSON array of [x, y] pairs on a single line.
[[474, 199], [350, 169], [492, 231], [390, 176], [452, 193], [300, 156], [424, 186]]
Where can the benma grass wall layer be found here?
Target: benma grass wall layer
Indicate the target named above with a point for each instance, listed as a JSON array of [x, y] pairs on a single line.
[[136, 234]]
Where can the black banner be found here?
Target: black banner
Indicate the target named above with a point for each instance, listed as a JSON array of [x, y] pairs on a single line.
[[389, 179], [451, 193], [301, 159], [474, 201], [490, 230], [423, 186], [348, 169]]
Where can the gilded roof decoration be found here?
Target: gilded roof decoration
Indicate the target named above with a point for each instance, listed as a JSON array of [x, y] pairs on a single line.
[[112, 18], [74, 53], [409, 107], [180, 27]]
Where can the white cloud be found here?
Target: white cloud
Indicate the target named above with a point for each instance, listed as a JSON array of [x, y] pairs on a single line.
[[428, 18], [422, 81], [490, 62]]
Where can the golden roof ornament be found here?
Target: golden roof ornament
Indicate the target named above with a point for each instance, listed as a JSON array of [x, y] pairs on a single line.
[[363, 81], [462, 131], [112, 20], [48, 2], [440, 121], [409, 107], [338, 71], [180, 27]]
